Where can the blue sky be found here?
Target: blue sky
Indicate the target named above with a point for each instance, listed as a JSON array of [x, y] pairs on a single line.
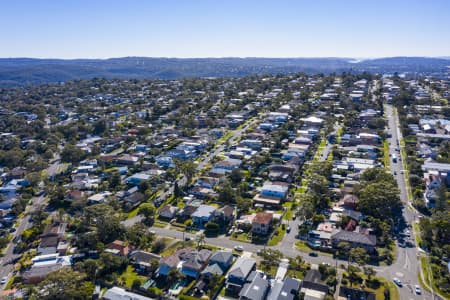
[[223, 28]]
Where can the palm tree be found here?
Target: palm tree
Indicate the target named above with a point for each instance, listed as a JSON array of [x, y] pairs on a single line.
[[200, 240]]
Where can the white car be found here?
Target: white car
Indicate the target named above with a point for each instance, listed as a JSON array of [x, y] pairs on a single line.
[[397, 281], [4, 279], [239, 248], [418, 289]]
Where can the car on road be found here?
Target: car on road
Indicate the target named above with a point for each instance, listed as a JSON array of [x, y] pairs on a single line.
[[4, 279], [397, 281], [395, 173], [418, 289], [288, 229], [313, 254], [239, 248]]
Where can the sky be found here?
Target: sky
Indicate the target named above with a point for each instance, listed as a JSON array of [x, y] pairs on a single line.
[[224, 28]]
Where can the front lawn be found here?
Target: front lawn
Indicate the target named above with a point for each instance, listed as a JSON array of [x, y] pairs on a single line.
[[130, 275], [277, 236]]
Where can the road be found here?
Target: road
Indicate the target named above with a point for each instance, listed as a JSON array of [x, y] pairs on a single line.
[[7, 261], [407, 265]]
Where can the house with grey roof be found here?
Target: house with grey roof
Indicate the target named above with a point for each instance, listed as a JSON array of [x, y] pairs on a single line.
[[355, 239], [141, 260], [256, 289], [288, 289], [313, 287], [203, 214], [194, 262], [212, 269], [222, 258], [239, 272]]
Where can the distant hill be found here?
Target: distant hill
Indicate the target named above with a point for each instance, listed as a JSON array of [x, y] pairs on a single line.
[[29, 71]]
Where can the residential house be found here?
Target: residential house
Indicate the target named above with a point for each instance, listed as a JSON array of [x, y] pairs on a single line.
[[203, 214], [43, 265], [348, 293], [194, 262], [312, 121], [137, 179], [262, 223], [211, 270], [168, 212], [127, 160], [254, 144], [99, 197], [288, 289], [355, 239], [117, 293], [223, 259], [283, 173], [142, 260], [313, 287], [53, 234], [238, 274], [119, 247], [168, 263], [225, 214], [257, 289], [272, 194]]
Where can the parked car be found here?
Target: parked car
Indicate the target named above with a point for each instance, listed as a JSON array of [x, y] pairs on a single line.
[[288, 229], [4, 279], [398, 282], [313, 254]]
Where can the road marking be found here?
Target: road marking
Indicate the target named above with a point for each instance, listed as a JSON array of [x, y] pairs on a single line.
[[405, 266]]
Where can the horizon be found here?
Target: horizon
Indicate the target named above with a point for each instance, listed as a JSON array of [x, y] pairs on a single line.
[[104, 29], [358, 59]]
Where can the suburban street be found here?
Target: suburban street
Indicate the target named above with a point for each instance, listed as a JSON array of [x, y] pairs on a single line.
[[407, 265], [8, 260]]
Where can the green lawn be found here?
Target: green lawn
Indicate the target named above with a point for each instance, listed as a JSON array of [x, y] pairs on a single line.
[[241, 237], [302, 246], [130, 275], [393, 290], [417, 233], [269, 270], [386, 154], [426, 267], [133, 213], [276, 238]]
